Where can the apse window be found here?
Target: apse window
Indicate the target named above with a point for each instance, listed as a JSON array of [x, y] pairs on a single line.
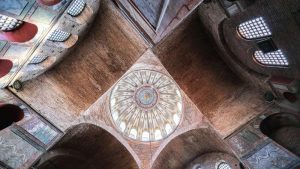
[[275, 58], [223, 165], [253, 29]]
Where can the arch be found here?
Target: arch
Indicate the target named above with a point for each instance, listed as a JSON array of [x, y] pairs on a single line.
[[283, 128], [183, 148], [5, 67], [63, 158], [215, 160], [9, 114], [49, 2], [94, 144], [24, 33]]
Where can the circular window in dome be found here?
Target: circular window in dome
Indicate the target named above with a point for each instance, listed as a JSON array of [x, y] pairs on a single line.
[[146, 105], [223, 165]]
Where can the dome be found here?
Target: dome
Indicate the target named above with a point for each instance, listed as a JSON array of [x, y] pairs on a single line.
[[146, 105]]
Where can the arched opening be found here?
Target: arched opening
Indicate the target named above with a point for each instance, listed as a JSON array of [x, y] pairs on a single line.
[[183, 149], [284, 128], [61, 159], [90, 145], [5, 67], [49, 2], [23, 33], [215, 160], [9, 114]]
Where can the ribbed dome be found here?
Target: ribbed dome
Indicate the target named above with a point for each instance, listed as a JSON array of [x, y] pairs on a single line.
[[146, 105]]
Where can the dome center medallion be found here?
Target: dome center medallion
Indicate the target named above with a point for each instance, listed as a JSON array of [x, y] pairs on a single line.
[[146, 97]]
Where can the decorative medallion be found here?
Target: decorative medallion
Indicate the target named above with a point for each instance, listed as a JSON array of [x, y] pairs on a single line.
[[146, 105]]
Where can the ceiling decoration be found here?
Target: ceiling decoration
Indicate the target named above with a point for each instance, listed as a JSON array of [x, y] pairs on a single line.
[[146, 105]]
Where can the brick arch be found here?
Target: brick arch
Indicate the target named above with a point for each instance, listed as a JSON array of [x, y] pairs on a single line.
[[185, 146], [283, 128], [97, 145]]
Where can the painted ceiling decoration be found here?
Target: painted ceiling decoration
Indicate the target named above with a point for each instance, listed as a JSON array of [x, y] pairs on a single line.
[[146, 105]]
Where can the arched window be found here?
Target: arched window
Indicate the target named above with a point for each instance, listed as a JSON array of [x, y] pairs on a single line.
[[14, 30], [38, 59], [59, 36], [253, 29], [223, 165], [76, 8], [275, 58], [8, 23]]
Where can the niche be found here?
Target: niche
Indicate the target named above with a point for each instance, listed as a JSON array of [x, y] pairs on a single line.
[[9, 114], [283, 128]]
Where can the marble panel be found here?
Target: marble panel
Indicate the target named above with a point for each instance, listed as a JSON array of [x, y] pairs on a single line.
[[18, 151], [271, 156], [41, 132], [245, 141]]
